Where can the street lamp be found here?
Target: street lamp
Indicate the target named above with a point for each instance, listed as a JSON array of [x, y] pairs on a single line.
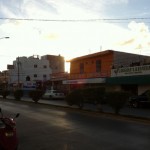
[[7, 37]]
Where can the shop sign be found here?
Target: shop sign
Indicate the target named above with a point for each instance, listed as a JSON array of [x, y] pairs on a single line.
[[129, 71], [85, 81]]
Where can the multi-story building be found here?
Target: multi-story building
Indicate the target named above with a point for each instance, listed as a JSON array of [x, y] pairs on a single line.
[[99, 69], [56, 63], [3, 79], [29, 71]]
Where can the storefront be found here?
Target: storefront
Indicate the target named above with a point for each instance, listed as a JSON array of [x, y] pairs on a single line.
[[135, 84], [80, 83]]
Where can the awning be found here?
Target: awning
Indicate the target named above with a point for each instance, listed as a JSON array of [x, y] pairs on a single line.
[[85, 81], [141, 79]]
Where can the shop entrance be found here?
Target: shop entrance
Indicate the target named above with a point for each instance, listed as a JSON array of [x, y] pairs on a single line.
[[133, 88]]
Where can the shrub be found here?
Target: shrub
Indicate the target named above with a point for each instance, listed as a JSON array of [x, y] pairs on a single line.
[[91, 95], [18, 94], [94, 95], [36, 95], [117, 100], [5, 93], [75, 98]]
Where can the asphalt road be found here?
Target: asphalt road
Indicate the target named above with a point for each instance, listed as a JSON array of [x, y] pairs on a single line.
[[48, 128]]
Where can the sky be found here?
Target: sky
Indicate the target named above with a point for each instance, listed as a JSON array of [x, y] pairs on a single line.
[[72, 28]]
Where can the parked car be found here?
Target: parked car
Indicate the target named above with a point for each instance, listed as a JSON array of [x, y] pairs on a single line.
[[142, 100], [53, 94]]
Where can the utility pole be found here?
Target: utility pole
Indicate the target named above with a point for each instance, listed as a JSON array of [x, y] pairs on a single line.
[[18, 74]]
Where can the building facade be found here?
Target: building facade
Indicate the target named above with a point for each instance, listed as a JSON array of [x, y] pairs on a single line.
[[3, 79], [135, 79], [100, 69], [56, 63], [27, 72]]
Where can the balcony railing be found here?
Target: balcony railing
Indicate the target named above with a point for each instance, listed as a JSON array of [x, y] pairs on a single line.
[[89, 75]]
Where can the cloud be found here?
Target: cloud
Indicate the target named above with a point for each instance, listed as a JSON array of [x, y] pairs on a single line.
[[40, 9], [137, 38], [93, 7], [10, 8], [138, 27], [28, 9], [118, 1], [50, 9], [51, 36], [130, 41]]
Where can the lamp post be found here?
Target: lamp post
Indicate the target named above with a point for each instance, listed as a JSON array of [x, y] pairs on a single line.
[[18, 63], [5, 82], [6, 37]]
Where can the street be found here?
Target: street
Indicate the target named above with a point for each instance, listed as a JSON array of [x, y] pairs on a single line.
[[48, 128]]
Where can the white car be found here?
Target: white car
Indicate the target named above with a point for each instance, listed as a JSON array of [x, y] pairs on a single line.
[[53, 94]]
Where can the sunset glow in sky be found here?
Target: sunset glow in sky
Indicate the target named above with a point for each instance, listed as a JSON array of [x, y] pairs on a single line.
[[72, 28]]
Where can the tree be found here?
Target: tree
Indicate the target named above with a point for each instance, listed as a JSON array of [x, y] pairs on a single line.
[[18, 94]]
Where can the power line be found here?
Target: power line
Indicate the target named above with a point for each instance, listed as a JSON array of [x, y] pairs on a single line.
[[78, 20]]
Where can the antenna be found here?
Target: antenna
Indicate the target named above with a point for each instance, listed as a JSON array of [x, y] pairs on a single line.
[[100, 48], [89, 51]]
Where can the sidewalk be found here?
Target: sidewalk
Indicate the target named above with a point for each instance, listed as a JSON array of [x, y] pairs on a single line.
[[143, 113]]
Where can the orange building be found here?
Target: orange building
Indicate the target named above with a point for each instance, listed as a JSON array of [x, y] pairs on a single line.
[[90, 69], [92, 66], [94, 69]]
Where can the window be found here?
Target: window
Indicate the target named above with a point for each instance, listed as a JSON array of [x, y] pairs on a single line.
[[28, 78], [98, 65], [35, 66], [81, 68], [44, 76], [44, 66], [35, 75]]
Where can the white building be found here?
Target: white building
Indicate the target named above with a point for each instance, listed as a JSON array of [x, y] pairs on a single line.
[[28, 71]]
